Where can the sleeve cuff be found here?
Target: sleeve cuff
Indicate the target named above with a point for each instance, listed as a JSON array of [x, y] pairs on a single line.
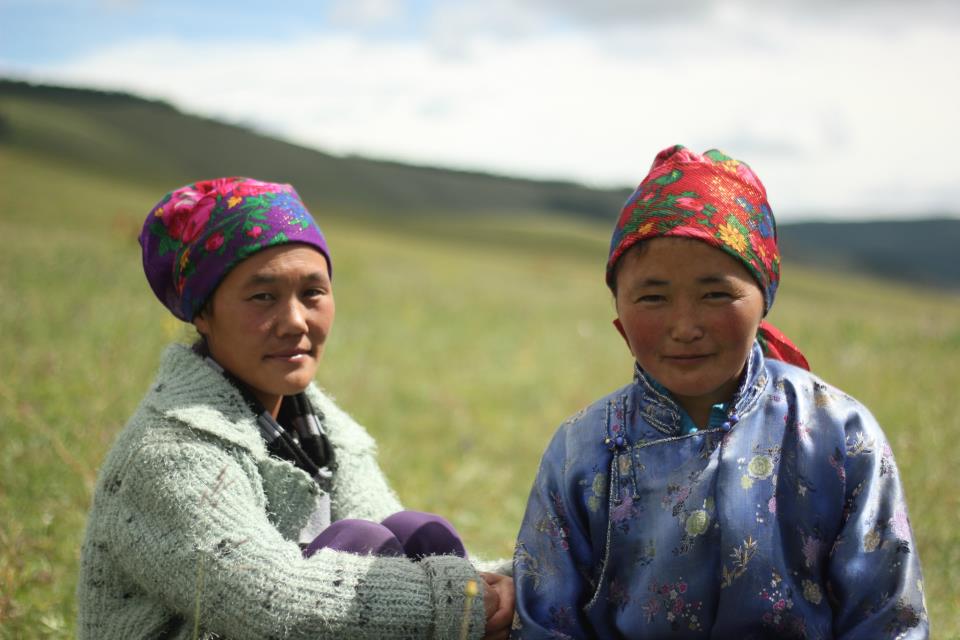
[[458, 608]]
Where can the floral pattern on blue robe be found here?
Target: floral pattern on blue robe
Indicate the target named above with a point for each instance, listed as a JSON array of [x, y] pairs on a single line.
[[784, 518]]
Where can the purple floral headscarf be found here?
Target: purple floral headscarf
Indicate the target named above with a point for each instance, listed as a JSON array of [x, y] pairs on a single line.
[[197, 233]]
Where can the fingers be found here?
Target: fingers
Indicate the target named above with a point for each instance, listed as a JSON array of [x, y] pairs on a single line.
[[491, 578], [507, 592], [499, 621], [491, 603], [503, 616]]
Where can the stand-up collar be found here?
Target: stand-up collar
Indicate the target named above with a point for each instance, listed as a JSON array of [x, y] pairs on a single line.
[[657, 406]]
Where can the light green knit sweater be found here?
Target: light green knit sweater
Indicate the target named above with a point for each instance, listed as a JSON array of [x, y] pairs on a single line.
[[191, 514]]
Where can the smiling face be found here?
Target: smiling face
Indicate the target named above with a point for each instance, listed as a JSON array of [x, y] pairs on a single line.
[[689, 314], [269, 319]]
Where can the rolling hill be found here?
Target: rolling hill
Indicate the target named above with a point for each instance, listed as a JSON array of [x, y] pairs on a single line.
[[152, 143], [923, 252]]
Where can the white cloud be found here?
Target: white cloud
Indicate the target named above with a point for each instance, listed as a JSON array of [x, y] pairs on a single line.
[[656, 12], [364, 13], [834, 120]]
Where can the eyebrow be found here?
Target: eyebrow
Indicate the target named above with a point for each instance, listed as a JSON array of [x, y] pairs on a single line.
[[651, 282], [266, 278], [713, 279], [657, 282]]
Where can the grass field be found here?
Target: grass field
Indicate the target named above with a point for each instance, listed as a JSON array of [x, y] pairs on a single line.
[[461, 345]]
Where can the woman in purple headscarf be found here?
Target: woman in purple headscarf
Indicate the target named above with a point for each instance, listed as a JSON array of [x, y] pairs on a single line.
[[239, 501]]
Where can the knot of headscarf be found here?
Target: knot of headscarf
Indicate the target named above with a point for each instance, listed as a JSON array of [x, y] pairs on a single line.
[[717, 200], [197, 233]]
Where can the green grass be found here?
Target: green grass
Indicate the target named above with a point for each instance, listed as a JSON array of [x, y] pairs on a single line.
[[460, 344]]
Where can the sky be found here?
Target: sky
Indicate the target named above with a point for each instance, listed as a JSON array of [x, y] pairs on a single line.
[[846, 110]]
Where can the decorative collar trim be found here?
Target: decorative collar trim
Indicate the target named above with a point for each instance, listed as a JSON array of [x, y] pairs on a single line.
[[661, 411]]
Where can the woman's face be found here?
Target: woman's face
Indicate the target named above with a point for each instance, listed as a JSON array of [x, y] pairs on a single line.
[[269, 319], [689, 313]]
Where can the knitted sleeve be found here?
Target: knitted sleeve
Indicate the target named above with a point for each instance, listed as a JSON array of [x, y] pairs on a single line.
[[192, 533]]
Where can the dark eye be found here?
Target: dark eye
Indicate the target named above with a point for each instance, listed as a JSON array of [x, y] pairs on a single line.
[[314, 292], [717, 295], [651, 298], [261, 297]]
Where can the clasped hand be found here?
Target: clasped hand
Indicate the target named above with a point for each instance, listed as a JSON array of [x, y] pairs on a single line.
[[498, 603]]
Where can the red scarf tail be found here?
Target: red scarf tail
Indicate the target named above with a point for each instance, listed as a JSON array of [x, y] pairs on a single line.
[[777, 346]]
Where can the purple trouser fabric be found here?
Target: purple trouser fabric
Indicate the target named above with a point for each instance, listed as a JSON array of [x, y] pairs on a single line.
[[414, 534]]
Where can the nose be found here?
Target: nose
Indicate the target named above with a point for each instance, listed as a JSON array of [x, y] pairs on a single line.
[[685, 325], [292, 319]]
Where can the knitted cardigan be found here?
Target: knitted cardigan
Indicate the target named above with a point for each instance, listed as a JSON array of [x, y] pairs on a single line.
[[193, 523]]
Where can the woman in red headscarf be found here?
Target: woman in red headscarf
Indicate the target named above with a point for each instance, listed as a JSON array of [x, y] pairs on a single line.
[[727, 492]]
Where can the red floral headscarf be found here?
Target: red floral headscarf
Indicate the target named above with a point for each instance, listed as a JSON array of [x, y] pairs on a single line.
[[717, 200]]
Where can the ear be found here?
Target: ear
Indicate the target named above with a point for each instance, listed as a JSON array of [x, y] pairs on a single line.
[[623, 334], [201, 323]]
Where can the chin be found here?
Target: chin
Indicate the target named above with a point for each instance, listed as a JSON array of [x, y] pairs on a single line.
[[297, 383]]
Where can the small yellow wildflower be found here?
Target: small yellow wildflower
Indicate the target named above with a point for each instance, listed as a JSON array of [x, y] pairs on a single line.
[[471, 590]]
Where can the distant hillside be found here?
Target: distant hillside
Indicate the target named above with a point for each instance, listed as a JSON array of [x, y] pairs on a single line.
[[150, 141], [925, 252]]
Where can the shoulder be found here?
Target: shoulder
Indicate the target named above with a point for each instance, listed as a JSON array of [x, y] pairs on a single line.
[[184, 380], [592, 419], [806, 386], [822, 405], [190, 401], [582, 436]]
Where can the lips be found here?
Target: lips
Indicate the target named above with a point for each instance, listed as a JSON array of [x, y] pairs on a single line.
[[288, 354], [687, 359]]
